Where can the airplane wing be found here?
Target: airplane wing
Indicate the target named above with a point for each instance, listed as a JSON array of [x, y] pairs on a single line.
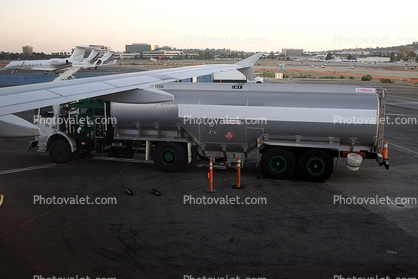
[[129, 88]]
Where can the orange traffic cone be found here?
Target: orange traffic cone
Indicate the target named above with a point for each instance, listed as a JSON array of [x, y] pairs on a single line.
[[385, 151], [385, 155]]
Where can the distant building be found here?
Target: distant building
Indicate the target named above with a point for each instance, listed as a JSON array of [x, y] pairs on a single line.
[[134, 55], [101, 46], [166, 48], [373, 59], [137, 48], [292, 51], [149, 51], [162, 53], [27, 50]]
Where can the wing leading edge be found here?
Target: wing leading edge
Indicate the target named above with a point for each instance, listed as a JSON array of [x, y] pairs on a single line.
[[130, 88]]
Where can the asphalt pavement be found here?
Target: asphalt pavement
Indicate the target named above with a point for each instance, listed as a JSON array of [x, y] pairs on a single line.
[[283, 229]]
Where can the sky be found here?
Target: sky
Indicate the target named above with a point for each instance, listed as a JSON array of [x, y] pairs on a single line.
[[53, 26]]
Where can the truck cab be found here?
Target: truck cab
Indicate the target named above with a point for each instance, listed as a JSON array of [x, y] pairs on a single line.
[[72, 128]]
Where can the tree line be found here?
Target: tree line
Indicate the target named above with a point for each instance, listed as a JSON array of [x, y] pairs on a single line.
[[33, 56]]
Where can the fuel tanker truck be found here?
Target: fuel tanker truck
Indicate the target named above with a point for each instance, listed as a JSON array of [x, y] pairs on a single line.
[[287, 128]]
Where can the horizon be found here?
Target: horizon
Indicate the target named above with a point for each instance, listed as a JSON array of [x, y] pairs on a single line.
[[231, 50], [234, 50], [189, 25]]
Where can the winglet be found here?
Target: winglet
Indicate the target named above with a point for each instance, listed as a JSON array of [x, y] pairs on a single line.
[[249, 62], [78, 54], [246, 66]]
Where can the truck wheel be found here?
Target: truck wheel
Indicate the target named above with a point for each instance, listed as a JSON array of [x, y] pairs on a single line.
[[169, 157], [315, 166], [60, 152], [278, 163]]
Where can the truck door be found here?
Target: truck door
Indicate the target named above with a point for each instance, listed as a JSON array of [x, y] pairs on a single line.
[[46, 120]]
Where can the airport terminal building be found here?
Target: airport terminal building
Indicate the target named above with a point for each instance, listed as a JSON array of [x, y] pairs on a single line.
[[292, 51], [373, 59], [141, 50]]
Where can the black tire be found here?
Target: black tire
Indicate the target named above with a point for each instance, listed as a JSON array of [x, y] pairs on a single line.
[[60, 151], [315, 166], [278, 163], [169, 157]]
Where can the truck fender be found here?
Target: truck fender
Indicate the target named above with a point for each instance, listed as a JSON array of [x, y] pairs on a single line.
[[60, 135]]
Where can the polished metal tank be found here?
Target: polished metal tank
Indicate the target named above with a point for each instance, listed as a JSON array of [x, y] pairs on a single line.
[[235, 116]]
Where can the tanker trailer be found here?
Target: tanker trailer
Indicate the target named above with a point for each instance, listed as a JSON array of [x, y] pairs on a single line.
[[291, 127]]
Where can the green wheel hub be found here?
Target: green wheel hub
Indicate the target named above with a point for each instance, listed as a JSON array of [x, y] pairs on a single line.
[[168, 156], [278, 164], [315, 166], [59, 152]]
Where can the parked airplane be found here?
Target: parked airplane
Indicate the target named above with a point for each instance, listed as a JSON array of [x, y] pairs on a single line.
[[141, 87], [94, 55], [106, 58], [93, 59], [48, 65]]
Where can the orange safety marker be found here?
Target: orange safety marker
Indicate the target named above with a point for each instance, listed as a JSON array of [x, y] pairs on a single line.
[[385, 155], [210, 176], [385, 151], [238, 186]]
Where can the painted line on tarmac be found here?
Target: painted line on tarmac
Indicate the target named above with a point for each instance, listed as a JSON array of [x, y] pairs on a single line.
[[126, 160], [41, 167], [406, 105], [28, 168], [407, 150]]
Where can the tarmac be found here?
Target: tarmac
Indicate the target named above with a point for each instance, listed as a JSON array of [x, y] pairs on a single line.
[[297, 229]]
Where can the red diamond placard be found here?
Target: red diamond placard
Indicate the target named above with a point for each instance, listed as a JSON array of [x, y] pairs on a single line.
[[229, 136]]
